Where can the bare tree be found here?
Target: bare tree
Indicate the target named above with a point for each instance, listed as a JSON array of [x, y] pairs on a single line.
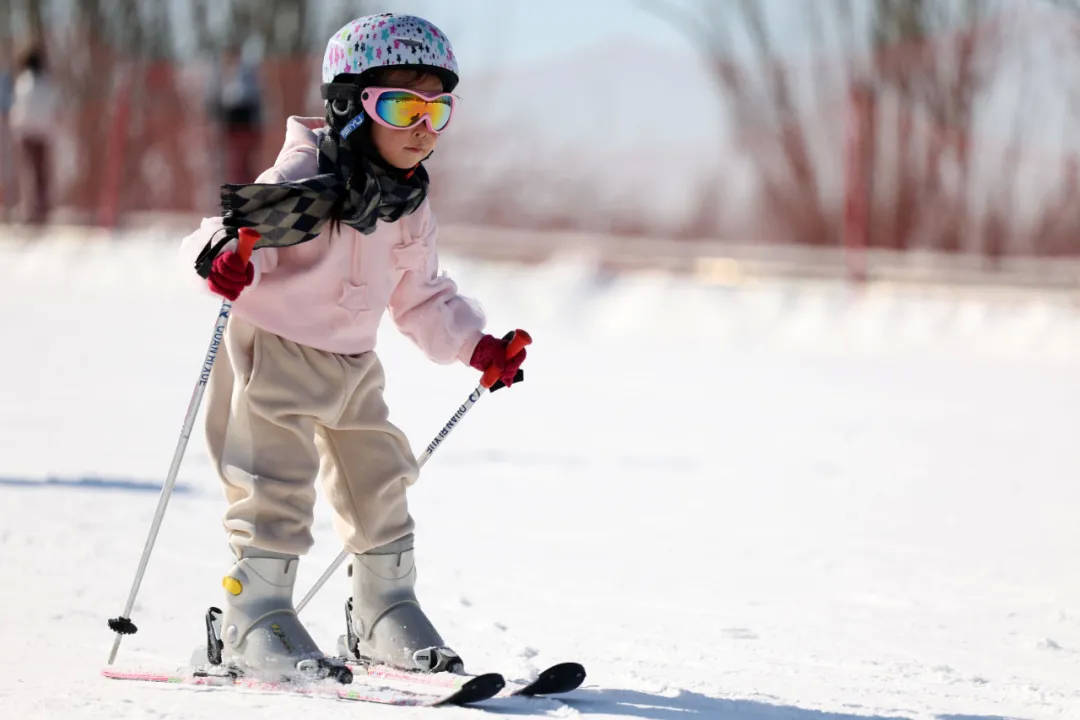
[[932, 59], [761, 100]]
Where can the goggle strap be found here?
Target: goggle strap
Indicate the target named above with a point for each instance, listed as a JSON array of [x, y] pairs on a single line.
[[352, 125], [340, 91]]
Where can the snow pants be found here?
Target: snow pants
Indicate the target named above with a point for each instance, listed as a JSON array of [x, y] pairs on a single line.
[[281, 414]]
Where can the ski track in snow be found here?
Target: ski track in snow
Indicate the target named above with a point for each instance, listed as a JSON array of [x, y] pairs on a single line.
[[780, 501]]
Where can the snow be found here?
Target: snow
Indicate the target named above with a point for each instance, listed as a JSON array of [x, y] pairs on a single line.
[[777, 500]]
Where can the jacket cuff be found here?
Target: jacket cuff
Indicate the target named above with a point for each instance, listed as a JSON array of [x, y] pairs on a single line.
[[467, 348]]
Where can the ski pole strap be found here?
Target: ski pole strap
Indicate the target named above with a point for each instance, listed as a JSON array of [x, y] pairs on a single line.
[[244, 246], [211, 250]]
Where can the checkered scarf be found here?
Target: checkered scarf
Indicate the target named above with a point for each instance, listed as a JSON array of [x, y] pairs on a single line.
[[289, 213]]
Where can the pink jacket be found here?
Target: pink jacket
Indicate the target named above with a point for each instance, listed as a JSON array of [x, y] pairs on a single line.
[[329, 293]]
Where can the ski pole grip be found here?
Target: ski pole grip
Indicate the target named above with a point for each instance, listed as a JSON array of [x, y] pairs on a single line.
[[518, 340], [246, 243]]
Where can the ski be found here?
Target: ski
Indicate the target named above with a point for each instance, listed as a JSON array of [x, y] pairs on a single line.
[[402, 691], [556, 679], [559, 678]]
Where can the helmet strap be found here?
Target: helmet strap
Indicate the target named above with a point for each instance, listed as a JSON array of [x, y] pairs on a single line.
[[344, 111]]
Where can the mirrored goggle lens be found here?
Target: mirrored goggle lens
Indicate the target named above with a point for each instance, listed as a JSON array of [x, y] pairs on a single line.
[[402, 109]]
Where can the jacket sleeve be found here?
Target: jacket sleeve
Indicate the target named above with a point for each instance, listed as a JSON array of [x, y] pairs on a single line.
[[425, 304]]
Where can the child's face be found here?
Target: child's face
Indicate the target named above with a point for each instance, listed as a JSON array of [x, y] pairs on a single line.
[[405, 148]]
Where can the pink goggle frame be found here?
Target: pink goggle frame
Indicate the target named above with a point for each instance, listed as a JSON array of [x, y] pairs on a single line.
[[402, 108]]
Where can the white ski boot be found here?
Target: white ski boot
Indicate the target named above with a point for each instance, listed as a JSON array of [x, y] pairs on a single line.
[[384, 620], [260, 632]]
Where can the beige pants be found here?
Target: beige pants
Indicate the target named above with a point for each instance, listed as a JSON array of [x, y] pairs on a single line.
[[278, 415]]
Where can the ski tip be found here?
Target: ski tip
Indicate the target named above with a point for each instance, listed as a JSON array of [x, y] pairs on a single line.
[[114, 674], [560, 678], [476, 689]]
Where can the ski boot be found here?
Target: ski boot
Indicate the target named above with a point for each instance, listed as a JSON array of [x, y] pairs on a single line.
[[260, 634], [384, 622]]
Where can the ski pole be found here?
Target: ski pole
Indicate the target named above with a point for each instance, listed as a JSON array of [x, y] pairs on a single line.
[[518, 341], [123, 625]]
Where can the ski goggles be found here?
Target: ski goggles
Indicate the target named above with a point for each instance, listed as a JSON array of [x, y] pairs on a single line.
[[402, 109]]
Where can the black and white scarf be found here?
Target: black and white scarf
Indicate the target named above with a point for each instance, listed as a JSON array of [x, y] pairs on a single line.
[[350, 184]]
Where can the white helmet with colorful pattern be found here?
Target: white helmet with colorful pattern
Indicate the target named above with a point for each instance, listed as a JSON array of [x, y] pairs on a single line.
[[389, 40]]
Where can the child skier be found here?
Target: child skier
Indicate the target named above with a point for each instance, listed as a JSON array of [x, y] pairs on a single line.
[[297, 388]]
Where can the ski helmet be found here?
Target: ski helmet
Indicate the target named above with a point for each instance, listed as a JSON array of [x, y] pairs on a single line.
[[389, 40]]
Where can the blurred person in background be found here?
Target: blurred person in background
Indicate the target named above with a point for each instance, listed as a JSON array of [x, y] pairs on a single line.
[[7, 150], [236, 104], [33, 116], [346, 232]]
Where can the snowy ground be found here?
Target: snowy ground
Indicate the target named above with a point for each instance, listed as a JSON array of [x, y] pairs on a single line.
[[777, 501]]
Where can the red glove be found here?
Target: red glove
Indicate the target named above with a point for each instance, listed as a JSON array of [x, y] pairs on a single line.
[[229, 274], [491, 352]]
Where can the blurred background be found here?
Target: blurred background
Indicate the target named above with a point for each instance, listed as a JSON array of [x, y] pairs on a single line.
[[859, 138]]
